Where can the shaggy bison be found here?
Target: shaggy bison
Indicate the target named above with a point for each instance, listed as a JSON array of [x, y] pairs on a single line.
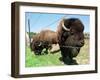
[[70, 39], [42, 40]]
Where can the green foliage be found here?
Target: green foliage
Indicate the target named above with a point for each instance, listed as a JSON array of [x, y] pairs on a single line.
[[86, 35]]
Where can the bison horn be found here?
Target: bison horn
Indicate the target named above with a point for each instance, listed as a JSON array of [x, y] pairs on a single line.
[[40, 44], [64, 27]]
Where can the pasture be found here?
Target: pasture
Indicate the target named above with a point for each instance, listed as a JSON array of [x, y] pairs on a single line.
[[50, 59]]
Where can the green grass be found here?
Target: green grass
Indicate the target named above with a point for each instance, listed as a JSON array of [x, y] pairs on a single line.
[[41, 60], [33, 60]]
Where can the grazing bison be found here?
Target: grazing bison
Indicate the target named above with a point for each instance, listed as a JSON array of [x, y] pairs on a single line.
[[70, 39], [42, 40], [38, 46]]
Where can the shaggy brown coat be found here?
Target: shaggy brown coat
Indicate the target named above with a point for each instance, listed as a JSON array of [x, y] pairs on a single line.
[[44, 39], [70, 38]]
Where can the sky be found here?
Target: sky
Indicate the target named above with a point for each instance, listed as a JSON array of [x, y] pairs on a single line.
[[42, 21]]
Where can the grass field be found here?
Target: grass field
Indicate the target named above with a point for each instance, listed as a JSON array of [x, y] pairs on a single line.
[[83, 57], [32, 60]]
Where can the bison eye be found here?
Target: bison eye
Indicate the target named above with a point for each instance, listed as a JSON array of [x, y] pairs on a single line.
[[71, 33]]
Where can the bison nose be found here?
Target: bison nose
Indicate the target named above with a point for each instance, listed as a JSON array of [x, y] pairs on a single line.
[[81, 42]]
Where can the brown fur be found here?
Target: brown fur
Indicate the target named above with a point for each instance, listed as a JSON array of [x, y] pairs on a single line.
[[48, 35], [76, 27], [46, 38], [72, 40]]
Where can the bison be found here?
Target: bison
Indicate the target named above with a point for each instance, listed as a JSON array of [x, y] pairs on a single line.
[[42, 40], [70, 39]]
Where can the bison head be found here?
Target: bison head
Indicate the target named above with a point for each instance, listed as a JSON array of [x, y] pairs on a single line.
[[70, 38], [36, 46]]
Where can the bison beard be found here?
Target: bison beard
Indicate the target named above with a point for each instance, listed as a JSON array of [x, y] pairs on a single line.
[[70, 39], [43, 40]]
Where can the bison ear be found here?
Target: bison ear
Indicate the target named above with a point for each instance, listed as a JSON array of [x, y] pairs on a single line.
[[64, 26]]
